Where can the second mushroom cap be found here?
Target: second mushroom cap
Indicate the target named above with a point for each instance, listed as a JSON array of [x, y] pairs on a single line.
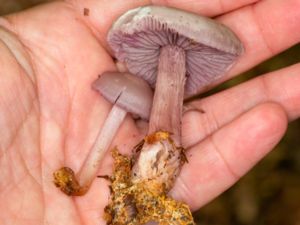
[[129, 92]]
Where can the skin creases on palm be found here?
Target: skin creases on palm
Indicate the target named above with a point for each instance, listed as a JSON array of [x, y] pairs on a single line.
[[50, 117]]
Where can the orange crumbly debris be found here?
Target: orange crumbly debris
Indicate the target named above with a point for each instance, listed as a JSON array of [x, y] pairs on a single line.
[[135, 203], [157, 136], [65, 180]]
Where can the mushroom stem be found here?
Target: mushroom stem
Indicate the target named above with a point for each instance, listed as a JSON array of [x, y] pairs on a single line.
[[91, 165], [161, 156], [65, 178], [169, 92]]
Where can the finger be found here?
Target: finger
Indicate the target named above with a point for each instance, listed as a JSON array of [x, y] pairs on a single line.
[[281, 86], [221, 159], [265, 29], [101, 14], [207, 8]]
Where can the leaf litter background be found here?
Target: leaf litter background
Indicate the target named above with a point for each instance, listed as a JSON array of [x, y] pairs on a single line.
[[270, 193]]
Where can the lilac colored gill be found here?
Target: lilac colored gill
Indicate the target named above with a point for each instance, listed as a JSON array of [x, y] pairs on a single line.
[[210, 48]]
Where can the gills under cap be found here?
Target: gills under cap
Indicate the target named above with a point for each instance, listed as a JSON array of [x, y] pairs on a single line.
[[210, 47]]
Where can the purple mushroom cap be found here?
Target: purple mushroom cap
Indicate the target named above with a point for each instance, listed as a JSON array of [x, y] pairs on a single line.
[[210, 47], [129, 92]]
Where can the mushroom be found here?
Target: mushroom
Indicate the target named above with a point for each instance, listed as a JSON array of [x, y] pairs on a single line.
[[173, 49], [128, 93], [179, 53]]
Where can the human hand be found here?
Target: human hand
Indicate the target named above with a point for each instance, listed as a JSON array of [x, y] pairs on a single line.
[[50, 116]]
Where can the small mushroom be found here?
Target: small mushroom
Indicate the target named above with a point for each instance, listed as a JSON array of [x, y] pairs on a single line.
[[128, 93], [179, 53]]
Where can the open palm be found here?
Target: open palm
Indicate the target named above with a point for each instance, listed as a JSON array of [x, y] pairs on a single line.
[[49, 55]]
